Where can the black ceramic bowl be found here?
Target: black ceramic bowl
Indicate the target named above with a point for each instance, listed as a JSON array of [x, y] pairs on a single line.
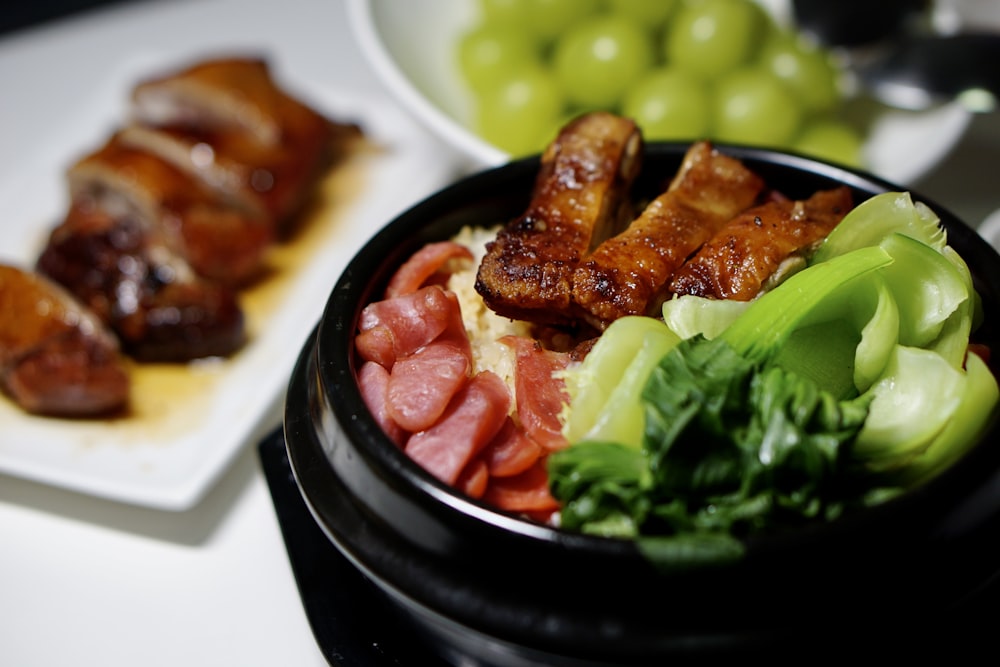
[[484, 587]]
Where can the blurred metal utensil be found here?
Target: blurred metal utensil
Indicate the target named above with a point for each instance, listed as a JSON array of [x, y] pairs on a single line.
[[919, 71], [898, 59]]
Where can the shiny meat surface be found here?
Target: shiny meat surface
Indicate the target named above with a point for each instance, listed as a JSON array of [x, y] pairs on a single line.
[[230, 94], [629, 273], [219, 240], [149, 296], [227, 123], [737, 261], [56, 357], [177, 210], [580, 198]]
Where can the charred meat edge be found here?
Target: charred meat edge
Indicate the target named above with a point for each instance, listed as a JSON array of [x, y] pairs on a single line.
[[580, 198], [628, 274]]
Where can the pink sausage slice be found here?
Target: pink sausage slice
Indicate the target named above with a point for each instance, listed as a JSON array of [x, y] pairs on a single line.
[[473, 418], [540, 392], [397, 327], [422, 384], [373, 380], [433, 258], [511, 451]]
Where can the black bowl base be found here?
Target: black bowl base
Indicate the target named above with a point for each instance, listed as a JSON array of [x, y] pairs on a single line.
[[354, 625], [348, 616]]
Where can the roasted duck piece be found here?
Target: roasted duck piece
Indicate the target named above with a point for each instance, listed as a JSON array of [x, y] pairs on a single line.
[[224, 94], [580, 198], [628, 274], [749, 249], [167, 219], [148, 295], [56, 357], [227, 123], [221, 241]]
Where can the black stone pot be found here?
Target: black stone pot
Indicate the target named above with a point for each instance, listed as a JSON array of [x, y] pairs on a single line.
[[484, 587]]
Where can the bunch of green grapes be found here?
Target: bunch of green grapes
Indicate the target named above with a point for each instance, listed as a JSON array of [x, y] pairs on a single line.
[[683, 69]]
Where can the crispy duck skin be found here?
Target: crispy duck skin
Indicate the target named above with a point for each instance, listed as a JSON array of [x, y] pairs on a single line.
[[217, 94], [629, 273], [148, 295], [220, 241], [56, 357], [748, 250], [227, 123], [580, 198]]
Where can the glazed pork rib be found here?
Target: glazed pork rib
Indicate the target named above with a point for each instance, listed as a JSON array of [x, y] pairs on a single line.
[[159, 308], [580, 198], [221, 241], [226, 123], [629, 273], [56, 357], [749, 249]]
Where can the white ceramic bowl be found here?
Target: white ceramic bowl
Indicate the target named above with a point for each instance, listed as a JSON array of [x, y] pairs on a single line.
[[410, 45]]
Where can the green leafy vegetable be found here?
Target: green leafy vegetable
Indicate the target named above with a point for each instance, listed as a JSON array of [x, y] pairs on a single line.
[[688, 315], [873, 219], [772, 318], [912, 402], [978, 404], [605, 390], [605, 486], [846, 382], [728, 435]]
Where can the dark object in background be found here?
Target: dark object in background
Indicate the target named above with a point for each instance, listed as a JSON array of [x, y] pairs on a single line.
[[900, 59], [855, 22], [18, 15]]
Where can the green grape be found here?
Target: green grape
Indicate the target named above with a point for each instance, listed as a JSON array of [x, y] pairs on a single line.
[[669, 104], [753, 107], [557, 125], [652, 13], [489, 52], [550, 18], [805, 68], [598, 59], [711, 37], [722, 71], [831, 140], [519, 112], [508, 12]]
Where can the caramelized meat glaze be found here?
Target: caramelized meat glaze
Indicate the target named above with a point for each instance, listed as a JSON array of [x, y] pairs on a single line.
[[581, 255]]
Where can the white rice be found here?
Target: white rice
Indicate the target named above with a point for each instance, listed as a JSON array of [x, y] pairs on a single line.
[[484, 327]]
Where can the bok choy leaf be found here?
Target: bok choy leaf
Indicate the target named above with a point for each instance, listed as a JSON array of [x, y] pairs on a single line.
[[849, 379]]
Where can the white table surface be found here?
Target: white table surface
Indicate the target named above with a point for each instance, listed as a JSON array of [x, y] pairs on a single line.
[[85, 581]]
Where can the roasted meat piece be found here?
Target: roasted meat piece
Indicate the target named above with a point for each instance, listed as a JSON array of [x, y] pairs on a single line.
[[228, 124], [628, 274], [56, 357], [219, 94], [221, 241], [167, 219], [580, 198], [749, 249], [148, 295]]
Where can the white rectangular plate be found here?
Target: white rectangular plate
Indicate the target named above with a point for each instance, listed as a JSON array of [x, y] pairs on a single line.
[[194, 420]]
